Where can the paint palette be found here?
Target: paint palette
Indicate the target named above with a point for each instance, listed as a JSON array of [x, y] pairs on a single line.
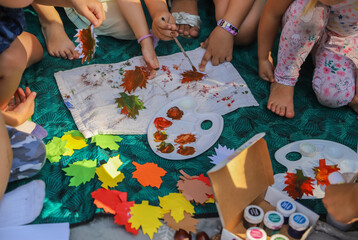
[[309, 153], [176, 132]]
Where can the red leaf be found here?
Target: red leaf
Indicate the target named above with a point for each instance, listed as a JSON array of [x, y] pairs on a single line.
[[87, 45], [108, 199], [322, 172], [134, 79], [298, 184], [123, 215]]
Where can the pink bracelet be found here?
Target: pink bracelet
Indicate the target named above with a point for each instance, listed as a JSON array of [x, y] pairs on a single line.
[[144, 37]]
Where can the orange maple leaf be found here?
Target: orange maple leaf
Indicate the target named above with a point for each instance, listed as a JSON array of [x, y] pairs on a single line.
[[87, 46], [134, 79], [149, 174], [322, 172], [298, 184]]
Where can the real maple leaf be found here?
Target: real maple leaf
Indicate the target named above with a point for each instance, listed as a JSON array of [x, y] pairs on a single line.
[[176, 204], [188, 223], [322, 172], [130, 105], [134, 78], [298, 184], [147, 217], [81, 171], [87, 43], [149, 174]]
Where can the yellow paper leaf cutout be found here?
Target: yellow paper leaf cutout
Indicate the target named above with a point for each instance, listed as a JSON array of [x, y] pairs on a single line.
[[73, 142], [112, 166], [177, 204], [210, 200], [106, 179], [146, 216]]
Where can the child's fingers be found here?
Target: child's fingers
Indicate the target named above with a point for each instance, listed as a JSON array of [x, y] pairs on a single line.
[[91, 17], [21, 94], [204, 44], [206, 58], [27, 91]]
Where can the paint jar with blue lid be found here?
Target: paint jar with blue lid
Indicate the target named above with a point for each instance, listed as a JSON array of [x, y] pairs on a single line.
[[279, 237], [255, 233], [298, 224], [286, 207], [253, 216], [273, 222]]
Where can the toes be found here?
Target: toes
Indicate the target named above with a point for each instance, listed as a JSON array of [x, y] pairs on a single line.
[[290, 113], [63, 54], [194, 31], [68, 54], [282, 111], [186, 30], [181, 28]]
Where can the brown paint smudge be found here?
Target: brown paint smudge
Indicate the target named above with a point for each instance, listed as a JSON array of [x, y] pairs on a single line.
[[185, 138], [135, 78], [162, 123], [175, 113], [191, 75], [160, 136], [185, 150], [164, 147]]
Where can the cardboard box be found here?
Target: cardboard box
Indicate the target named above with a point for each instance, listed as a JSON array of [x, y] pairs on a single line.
[[242, 179]]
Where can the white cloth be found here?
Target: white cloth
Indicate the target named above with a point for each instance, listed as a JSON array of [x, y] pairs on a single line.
[[90, 91]]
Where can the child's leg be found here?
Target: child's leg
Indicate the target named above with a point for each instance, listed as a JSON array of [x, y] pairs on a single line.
[[334, 79], [57, 42], [299, 35], [248, 29], [23, 51], [187, 6], [354, 103], [6, 157]]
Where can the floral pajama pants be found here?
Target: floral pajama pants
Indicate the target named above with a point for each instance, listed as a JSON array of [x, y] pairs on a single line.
[[335, 71]]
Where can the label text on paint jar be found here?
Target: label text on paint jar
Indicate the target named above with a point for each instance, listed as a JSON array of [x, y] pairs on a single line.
[[254, 211], [255, 233], [286, 205], [299, 219], [273, 217]]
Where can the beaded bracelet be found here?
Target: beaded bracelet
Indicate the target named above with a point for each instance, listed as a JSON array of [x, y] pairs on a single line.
[[228, 27], [144, 37]]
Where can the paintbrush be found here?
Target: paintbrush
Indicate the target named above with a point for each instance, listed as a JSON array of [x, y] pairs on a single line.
[[183, 51]]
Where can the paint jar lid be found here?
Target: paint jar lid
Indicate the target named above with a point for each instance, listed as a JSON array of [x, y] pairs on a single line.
[[255, 233], [279, 237], [273, 220], [286, 207], [299, 221], [307, 149], [253, 214]]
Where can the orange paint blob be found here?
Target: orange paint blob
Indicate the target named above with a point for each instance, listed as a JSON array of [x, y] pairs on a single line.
[[175, 113], [160, 136], [190, 76], [161, 123], [185, 138], [185, 151]]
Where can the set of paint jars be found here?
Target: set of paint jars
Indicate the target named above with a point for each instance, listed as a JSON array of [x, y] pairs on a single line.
[[286, 207]]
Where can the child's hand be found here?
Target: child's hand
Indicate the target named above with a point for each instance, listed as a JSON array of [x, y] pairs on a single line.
[[20, 108], [150, 56], [266, 69], [90, 9], [219, 47], [164, 26]]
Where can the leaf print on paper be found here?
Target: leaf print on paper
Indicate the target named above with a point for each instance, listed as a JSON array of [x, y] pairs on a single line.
[[87, 43], [134, 79], [130, 105], [298, 184]]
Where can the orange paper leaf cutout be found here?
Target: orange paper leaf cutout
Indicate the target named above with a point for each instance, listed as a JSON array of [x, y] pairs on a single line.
[[87, 43], [149, 174], [134, 79], [298, 184], [194, 189], [322, 172], [188, 223], [108, 199]]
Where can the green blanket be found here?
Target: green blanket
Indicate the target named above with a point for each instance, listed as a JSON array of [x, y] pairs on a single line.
[[75, 204]]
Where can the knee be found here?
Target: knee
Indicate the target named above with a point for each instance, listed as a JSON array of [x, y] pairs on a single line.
[[11, 64], [333, 94]]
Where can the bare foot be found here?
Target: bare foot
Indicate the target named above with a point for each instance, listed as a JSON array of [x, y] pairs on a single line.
[[188, 6], [354, 104], [281, 100], [57, 42]]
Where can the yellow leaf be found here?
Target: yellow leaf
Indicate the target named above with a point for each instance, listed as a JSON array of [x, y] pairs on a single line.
[[147, 216], [112, 166], [106, 179], [73, 143], [177, 204]]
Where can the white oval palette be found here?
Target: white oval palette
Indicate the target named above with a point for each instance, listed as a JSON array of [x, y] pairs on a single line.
[[176, 132], [311, 151]]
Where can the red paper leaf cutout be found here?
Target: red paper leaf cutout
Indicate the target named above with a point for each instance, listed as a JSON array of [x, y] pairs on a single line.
[[322, 172], [298, 184], [162, 123], [134, 79], [149, 174], [108, 199], [123, 215]]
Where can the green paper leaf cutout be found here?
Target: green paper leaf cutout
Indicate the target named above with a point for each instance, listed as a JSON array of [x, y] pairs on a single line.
[[81, 171], [55, 148], [106, 141], [130, 105]]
